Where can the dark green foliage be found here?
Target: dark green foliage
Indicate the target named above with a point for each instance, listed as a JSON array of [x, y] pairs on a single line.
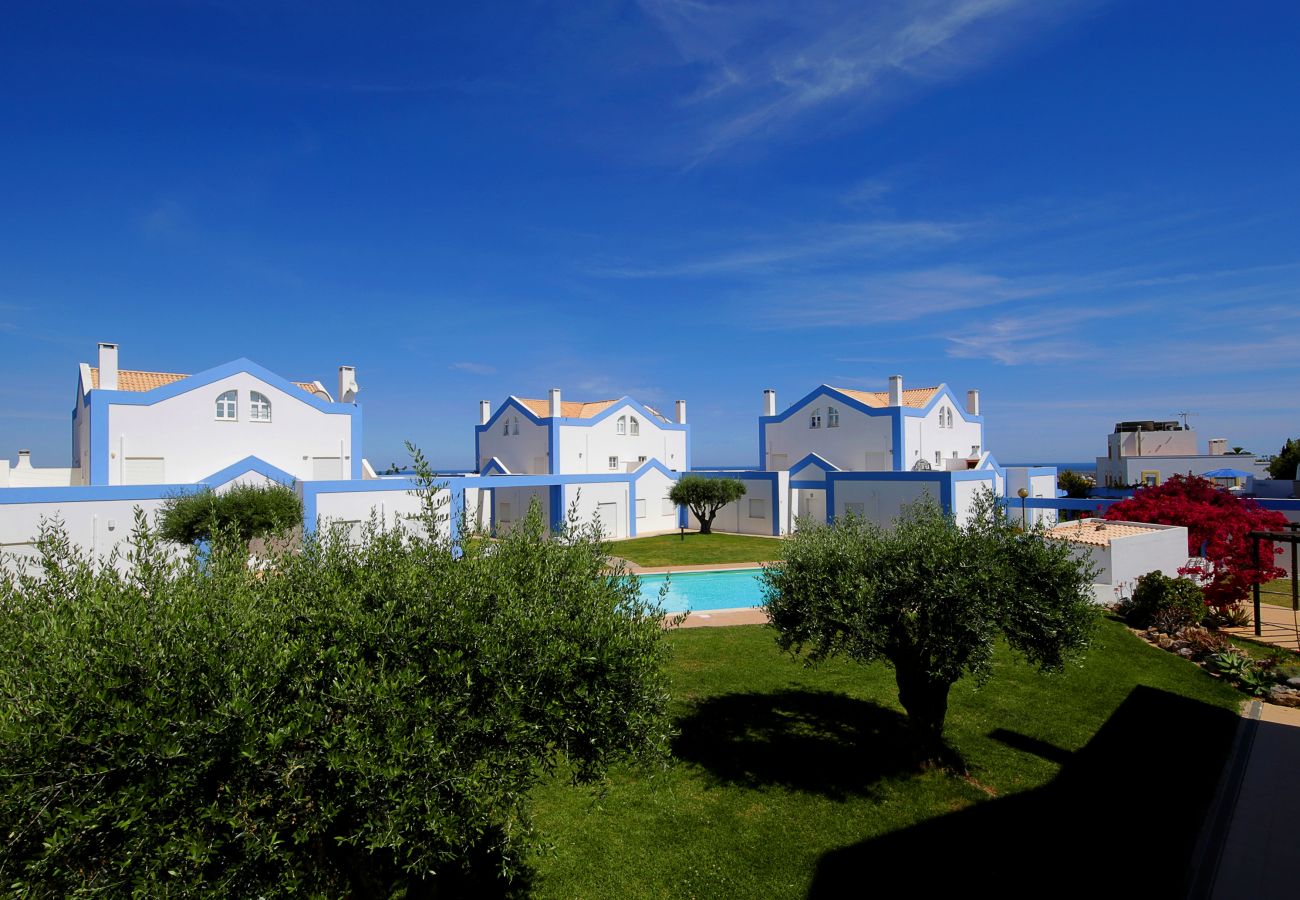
[[705, 496], [340, 721], [1283, 465], [1075, 485], [246, 511], [931, 597], [1175, 602]]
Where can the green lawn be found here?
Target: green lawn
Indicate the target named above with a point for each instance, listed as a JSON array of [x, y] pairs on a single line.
[[1276, 593], [794, 782], [672, 550]]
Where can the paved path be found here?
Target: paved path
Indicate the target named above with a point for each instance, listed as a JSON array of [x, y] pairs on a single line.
[[1253, 835], [1278, 626]]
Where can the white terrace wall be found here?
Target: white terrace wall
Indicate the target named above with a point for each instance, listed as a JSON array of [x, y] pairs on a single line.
[[879, 502], [96, 525], [763, 509], [333, 504], [606, 501], [510, 504]]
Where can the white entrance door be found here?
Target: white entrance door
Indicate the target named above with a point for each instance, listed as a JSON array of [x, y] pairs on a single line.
[[539, 465], [326, 468], [144, 470], [607, 513], [812, 505]]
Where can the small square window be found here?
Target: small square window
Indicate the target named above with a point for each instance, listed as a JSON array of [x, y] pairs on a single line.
[[640, 509], [613, 462], [758, 509], [668, 507]]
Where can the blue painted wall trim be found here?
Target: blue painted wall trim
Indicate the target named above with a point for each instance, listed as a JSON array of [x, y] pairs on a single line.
[[83, 493], [249, 464], [101, 399]]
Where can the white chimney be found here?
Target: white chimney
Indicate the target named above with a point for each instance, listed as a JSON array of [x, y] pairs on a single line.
[[108, 366], [484, 411], [1218, 446], [973, 402], [681, 412], [555, 403], [895, 390], [769, 402], [25, 456], [348, 386]]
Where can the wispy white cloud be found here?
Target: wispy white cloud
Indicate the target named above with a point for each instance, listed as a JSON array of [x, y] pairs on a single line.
[[1041, 337], [767, 63], [474, 368], [801, 247]]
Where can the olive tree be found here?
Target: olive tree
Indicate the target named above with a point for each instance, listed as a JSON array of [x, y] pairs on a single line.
[[929, 596], [705, 496], [247, 511], [352, 719]]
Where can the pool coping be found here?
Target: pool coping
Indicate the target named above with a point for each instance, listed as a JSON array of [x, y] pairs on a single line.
[[700, 567]]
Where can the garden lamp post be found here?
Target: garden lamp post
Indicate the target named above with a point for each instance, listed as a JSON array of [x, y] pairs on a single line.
[[1022, 494]]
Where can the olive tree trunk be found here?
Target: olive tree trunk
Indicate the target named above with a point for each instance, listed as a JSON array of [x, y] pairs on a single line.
[[926, 700]]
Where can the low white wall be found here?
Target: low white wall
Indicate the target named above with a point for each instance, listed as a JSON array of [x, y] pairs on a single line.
[[745, 517], [510, 504], [591, 497], [352, 509], [97, 526], [880, 502]]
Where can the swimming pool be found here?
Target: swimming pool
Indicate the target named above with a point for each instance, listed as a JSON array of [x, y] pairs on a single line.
[[696, 591]]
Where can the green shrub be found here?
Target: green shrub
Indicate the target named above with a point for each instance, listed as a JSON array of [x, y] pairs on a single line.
[[248, 511], [1169, 603], [347, 721]]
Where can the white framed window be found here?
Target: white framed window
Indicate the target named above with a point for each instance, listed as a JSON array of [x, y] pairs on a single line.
[[622, 425], [505, 426], [832, 417], [640, 459], [758, 509], [667, 507], [942, 410], [950, 418], [613, 462], [974, 450], [634, 427], [259, 408], [514, 425], [228, 406], [640, 508], [938, 457], [815, 419]]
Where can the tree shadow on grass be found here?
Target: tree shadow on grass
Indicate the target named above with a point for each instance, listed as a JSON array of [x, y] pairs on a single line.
[[1122, 817], [812, 741]]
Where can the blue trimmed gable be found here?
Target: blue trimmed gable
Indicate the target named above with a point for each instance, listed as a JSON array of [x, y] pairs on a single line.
[[99, 400]]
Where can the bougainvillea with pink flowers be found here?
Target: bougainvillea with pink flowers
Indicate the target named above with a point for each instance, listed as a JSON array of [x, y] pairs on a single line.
[[1218, 526]]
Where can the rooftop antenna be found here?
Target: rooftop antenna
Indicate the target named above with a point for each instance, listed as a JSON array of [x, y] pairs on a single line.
[[1183, 414]]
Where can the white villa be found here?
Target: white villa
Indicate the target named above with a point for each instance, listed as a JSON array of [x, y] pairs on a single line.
[[564, 437], [140, 437], [1147, 452]]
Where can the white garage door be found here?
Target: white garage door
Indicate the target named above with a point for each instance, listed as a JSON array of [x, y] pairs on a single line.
[[325, 468], [144, 470]]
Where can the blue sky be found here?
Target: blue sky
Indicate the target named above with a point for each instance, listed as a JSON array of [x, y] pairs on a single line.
[[1087, 210]]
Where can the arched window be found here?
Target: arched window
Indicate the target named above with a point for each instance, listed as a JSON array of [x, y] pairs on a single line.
[[832, 417], [505, 426], [259, 408], [950, 418], [942, 410], [228, 406], [815, 420], [622, 425], [514, 425], [634, 427]]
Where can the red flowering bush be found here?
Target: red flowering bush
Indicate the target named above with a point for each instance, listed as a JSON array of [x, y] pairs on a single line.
[[1217, 524]]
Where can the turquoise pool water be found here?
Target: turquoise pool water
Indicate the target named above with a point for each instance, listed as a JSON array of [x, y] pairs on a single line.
[[697, 591]]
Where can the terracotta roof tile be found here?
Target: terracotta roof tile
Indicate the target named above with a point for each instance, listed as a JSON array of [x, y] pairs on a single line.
[[916, 398], [134, 381], [1096, 533], [569, 409]]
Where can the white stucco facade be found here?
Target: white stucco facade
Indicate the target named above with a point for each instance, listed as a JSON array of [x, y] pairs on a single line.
[[1121, 552]]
